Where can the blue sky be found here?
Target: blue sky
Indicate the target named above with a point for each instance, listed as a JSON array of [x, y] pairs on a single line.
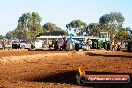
[[61, 12]]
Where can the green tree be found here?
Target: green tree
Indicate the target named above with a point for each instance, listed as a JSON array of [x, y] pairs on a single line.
[[1, 37], [55, 33], [24, 21], [94, 29], [9, 35], [129, 30], [28, 26], [122, 35], [52, 29], [112, 22], [78, 26]]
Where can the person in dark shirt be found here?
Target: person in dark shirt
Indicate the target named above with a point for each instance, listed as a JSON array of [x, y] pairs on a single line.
[[3, 44], [64, 43], [56, 44], [108, 46], [118, 46]]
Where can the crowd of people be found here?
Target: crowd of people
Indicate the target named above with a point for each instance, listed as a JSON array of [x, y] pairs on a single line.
[[115, 45], [62, 44], [10, 44]]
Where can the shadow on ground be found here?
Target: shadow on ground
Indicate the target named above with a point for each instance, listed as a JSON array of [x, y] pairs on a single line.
[[107, 55], [125, 50], [69, 77]]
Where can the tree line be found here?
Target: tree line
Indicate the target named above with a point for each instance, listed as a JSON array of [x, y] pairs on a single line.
[[29, 27]]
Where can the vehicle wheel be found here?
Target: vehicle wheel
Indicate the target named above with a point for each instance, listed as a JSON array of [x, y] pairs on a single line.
[[23, 47], [61, 48], [81, 80]]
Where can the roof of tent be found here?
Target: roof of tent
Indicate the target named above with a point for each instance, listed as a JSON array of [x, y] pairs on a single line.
[[45, 37]]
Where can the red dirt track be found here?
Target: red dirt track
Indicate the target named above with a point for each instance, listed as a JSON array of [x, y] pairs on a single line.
[[57, 69]]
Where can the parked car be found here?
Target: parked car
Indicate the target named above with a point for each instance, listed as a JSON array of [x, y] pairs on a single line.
[[25, 44]]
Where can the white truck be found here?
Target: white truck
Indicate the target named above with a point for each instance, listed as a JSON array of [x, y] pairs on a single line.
[[38, 44], [25, 44]]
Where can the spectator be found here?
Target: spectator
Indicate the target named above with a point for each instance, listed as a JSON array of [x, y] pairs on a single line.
[[113, 45], [50, 44], [76, 46], [56, 44], [64, 43], [88, 44], [118, 46], [126, 45], [108, 45], [3, 44]]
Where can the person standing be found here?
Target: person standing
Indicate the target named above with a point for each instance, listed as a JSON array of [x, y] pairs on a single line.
[[56, 44], [50, 44], [3, 44], [88, 44], [118, 46], [113, 45], [64, 43], [108, 46], [126, 45]]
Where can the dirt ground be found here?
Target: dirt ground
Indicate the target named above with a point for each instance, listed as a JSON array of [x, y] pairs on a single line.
[[58, 69]]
